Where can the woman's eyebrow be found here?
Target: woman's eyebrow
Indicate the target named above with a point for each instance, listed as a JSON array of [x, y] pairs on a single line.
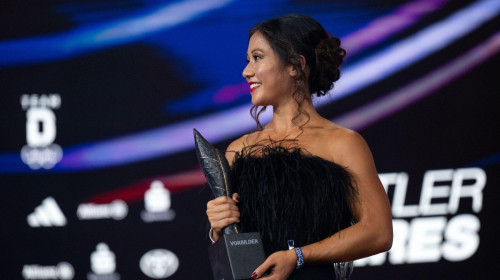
[[257, 50]]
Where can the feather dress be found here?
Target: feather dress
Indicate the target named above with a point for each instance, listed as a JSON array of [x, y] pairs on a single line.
[[288, 194]]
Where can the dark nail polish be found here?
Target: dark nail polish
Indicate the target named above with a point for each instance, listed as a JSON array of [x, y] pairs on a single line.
[[254, 275]]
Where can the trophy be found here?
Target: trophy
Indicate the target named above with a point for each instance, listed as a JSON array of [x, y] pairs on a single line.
[[235, 255]]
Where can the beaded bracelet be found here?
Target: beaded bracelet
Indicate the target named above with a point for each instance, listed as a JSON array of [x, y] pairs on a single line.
[[300, 258], [298, 252]]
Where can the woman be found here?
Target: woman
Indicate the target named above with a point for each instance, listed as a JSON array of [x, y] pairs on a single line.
[[301, 177]]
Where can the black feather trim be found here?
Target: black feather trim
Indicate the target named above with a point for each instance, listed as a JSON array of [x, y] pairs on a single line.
[[286, 193]]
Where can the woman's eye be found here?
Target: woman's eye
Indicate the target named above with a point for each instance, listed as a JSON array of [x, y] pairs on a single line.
[[254, 58]]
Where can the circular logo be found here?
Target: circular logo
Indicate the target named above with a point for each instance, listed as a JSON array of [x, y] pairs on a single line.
[[119, 209], [159, 263], [65, 270]]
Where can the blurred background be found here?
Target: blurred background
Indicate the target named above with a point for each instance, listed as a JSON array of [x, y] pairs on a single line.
[[98, 173]]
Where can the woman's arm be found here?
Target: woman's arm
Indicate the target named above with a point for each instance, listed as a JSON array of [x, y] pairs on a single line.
[[372, 232]]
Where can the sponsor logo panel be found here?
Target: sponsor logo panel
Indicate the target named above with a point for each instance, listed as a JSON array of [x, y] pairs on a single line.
[[40, 150], [103, 264], [157, 204], [433, 229], [159, 263], [62, 270], [117, 210], [48, 214]]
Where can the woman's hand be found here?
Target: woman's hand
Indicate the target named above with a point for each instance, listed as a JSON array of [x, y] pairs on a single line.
[[280, 265], [222, 211]]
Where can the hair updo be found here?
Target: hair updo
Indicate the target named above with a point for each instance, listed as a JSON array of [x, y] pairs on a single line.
[[293, 35]]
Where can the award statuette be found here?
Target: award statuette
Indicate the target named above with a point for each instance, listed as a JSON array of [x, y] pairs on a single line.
[[235, 255]]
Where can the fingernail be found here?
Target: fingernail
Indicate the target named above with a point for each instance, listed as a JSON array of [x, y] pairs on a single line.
[[254, 275]]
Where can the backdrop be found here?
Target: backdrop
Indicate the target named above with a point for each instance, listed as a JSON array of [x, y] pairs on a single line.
[[98, 173]]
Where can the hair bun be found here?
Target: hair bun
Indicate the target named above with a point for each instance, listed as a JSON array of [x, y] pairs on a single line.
[[329, 57]]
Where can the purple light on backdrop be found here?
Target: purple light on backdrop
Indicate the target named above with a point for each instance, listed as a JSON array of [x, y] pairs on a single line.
[[223, 125], [230, 93], [233, 122], [162, 141], [226, 124], [388, 105], [99, 36], [408, 51], [375, 32], [396, 101], [386, 26]]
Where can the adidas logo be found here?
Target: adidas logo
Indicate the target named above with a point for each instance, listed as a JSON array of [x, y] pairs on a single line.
[[48, 214]]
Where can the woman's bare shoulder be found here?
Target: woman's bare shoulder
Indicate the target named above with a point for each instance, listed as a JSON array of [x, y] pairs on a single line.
[[342, 143], [236, 146], [342, 135], [347, 146]]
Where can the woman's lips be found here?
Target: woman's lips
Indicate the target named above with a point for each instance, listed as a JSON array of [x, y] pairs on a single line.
[[254, 86]]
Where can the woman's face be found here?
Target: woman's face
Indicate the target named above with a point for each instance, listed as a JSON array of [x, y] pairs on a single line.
[[271, 83]]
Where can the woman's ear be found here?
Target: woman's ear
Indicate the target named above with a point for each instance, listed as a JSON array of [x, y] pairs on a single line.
[[293, 71], [302, 62]]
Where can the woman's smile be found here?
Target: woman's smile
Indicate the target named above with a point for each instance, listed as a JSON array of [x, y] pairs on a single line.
[[254, 86]]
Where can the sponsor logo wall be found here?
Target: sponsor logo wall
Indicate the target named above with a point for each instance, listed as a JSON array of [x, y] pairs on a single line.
[[40, 150], [48, 214], [98, 174], [431, 231], [159, 263], [62, 270]]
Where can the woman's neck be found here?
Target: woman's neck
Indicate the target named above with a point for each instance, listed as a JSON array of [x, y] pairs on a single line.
[[287, 119]]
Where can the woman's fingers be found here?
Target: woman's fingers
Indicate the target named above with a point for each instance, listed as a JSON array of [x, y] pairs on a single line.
[[222, 211], [218, 225], [265, 266], [221, 205], [225, 214], [236, 197], [220, 200], [226, 217]]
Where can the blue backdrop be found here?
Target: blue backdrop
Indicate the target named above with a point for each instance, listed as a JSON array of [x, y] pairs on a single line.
[[98, 174]]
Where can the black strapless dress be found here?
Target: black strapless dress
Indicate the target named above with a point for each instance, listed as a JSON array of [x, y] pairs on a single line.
[[286, 194]]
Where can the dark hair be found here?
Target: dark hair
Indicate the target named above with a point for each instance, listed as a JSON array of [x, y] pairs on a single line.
[[293, 35]]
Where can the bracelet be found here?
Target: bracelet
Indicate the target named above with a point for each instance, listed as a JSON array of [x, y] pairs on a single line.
[[210, 235], [300, 258], [298, 252]]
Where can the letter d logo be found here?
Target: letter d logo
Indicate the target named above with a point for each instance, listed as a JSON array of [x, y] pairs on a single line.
[[40, 127]]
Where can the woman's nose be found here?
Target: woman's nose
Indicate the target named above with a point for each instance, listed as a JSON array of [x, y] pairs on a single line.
[[247, 71]]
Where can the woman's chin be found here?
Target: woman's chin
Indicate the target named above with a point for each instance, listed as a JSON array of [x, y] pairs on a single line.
[[259, 103], [256, 101]]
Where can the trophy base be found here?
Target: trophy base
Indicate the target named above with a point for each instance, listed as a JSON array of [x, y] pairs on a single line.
[[236, 256]]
